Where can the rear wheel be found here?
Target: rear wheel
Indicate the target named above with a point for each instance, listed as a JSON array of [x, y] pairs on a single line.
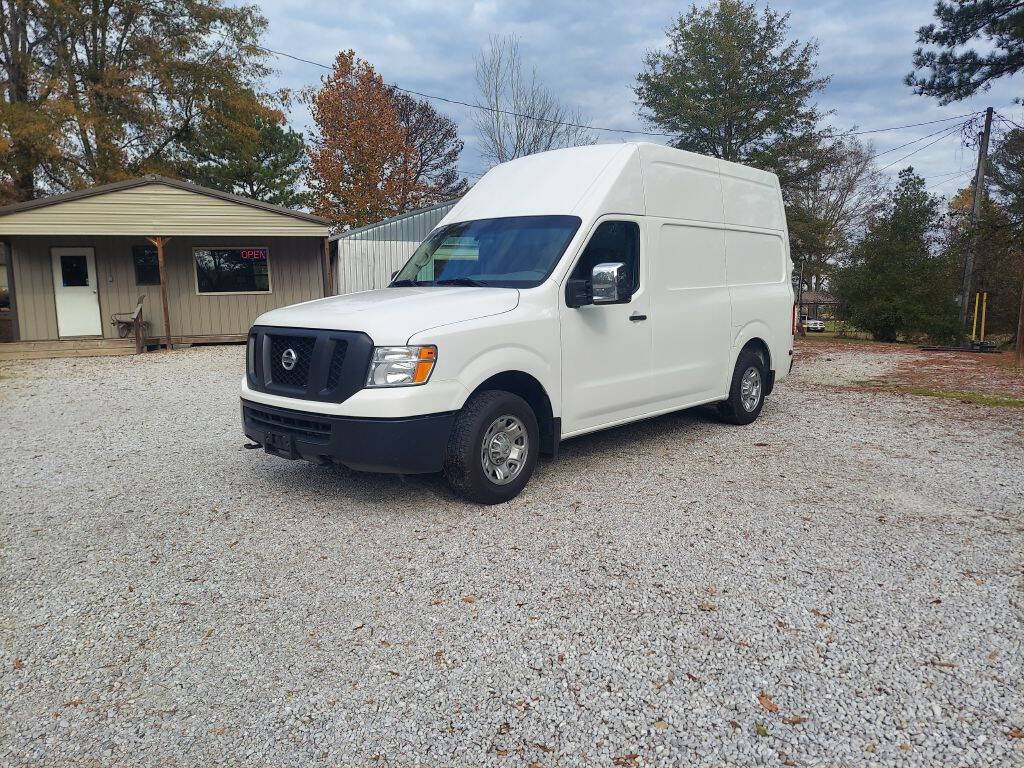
[[746, 394], [493, 447]]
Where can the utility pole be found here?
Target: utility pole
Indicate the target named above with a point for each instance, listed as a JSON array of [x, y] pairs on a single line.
[[979, 193], [1020, 330]]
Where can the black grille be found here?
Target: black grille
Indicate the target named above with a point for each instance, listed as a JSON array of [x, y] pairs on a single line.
[[337, 364], [329, 365], [309, 429], [302, 347]]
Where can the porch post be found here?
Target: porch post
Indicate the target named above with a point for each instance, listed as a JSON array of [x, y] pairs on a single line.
[[159, 243], [328, 276]]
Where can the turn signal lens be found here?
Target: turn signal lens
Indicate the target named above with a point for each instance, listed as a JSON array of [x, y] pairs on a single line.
[[401, 366]]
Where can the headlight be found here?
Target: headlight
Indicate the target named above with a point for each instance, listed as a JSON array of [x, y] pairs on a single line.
[[400, 366]]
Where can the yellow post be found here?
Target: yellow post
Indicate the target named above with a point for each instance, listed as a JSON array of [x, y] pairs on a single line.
[[984, 304], [974, 328]]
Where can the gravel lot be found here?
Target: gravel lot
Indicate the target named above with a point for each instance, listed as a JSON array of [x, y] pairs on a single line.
[[840, 583]]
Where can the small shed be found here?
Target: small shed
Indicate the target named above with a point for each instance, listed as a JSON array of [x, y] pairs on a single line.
[[367, 256], [815, 305], [205, 263]]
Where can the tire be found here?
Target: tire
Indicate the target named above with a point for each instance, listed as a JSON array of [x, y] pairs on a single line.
[[740, 408], [496, 414]]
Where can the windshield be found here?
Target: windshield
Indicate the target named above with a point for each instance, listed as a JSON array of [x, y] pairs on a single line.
[[513, 252]]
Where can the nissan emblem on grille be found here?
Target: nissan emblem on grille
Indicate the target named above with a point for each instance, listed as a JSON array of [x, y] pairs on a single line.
[[289, 359]]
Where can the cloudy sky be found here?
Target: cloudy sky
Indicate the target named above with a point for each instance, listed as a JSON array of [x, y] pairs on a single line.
[[589, 52]]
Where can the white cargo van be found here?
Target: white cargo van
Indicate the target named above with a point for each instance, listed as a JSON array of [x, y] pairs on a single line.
[[567, 292]]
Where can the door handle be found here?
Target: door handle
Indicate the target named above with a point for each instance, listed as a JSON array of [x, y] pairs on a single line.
[[636, 317]]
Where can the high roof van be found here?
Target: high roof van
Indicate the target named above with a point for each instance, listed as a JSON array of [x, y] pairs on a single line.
[[567, 292]]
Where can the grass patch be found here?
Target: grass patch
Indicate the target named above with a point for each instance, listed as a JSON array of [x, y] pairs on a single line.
[[973, 398]]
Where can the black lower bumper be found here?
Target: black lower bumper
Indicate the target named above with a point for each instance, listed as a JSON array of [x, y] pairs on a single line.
[[408, 445]]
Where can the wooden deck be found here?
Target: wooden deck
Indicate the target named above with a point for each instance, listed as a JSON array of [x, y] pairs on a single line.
[[91, 347], [34, 350]]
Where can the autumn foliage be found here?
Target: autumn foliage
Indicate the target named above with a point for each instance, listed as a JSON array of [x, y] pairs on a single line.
[[372, 153]]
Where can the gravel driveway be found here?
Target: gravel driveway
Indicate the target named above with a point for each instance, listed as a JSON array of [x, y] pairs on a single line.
[[839, 583]]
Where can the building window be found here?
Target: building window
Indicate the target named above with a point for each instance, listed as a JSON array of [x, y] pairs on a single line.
[[232, 270], [147, 270]]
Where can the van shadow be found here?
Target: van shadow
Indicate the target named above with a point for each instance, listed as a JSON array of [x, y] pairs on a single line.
[[336, 484]]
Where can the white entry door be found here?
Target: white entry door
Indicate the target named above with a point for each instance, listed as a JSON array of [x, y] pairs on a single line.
[[75, 291]]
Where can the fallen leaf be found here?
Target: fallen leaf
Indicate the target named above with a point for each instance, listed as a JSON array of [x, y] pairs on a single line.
[[232, 544], [501, 752], [936, 601], [780, 624], [734, 724], [693, 678], [759, 729], [439, 657], [794, 720], [818, 613], [938, 663], [75, 702], [19, 664], [438, 601], [1015, 733], [904, 746], [767, 703], [626, 760], [661, 725], [870, 747], [760, 445], [707, 607], [469, 599], [993, 655], [385, 644]]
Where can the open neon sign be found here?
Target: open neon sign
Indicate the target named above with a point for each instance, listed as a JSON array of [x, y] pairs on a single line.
[[253, 254]]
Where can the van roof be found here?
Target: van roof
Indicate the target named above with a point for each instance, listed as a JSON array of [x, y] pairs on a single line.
[[637, 178]]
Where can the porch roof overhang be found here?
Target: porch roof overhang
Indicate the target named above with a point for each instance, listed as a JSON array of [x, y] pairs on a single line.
[[156, 206]]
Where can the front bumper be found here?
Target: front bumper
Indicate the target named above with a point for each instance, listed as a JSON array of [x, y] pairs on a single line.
[[407, 445]]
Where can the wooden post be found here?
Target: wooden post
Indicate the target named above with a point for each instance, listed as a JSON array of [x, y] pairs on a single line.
[[137, 327], [328, 277], [159, 243], [1020, 328], [979, 192]]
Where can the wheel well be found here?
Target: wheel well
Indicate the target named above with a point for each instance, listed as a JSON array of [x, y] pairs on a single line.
[[532, 391], [760, 346]]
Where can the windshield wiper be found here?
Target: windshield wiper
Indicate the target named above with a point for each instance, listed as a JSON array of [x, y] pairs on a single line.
[[403, 284], [461, 281]]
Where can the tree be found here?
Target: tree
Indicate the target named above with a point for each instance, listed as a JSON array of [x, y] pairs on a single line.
[[372, 153], [519, 116], [898, 283], [955, 73], [139, 76], [267, 161], [730, 85], [433, 175], [30, 111], [1007, 173], [827, 211]]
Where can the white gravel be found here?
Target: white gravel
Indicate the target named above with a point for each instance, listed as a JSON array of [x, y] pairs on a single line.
[[172, 599]]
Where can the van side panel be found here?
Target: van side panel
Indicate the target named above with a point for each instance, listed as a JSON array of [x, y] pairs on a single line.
[[752, 198], [690, 313], [675, 191], [756, 268]]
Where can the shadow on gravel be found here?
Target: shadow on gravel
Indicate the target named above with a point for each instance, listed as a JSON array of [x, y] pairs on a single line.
[[344, 485]]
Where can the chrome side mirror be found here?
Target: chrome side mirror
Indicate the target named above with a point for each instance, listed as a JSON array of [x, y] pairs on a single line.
[[609, 283]]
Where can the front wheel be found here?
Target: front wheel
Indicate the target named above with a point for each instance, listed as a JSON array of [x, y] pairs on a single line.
[[746, 395], [493, 447]]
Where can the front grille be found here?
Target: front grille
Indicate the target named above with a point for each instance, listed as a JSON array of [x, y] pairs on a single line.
[[329, 365], [337, 364], [302, 426], [302, 349]]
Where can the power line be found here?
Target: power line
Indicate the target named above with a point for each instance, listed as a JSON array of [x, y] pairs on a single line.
[[632, 131], [946, 135], [927, 136], [911, 125], [951, 178]]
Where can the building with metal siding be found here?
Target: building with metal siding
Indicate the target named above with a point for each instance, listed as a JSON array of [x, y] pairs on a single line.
[[366, 257], [72, 261]]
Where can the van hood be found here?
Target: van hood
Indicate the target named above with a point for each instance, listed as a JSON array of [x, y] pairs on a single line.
[[392, 315]]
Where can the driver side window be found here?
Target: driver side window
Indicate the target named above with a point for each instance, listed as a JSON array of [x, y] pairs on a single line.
[[612, 241]]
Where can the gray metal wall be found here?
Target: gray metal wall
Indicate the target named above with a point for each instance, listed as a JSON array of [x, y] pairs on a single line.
[[367, 256]]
